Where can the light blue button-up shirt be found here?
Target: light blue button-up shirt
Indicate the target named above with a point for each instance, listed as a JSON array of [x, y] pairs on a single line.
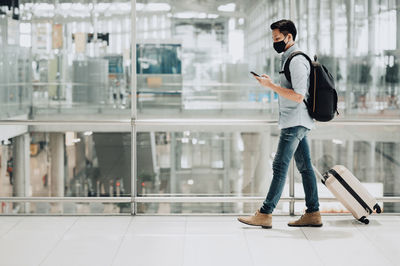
[[292, 113]]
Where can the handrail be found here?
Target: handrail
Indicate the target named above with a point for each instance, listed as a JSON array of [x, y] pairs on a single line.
[[194, 121], [164, 199], [67, 199]]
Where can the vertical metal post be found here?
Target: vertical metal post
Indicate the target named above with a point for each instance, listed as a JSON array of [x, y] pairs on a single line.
[[21, 170], [292, 9], [332, 34], [227, 167], [350, 47], [350, 155], [397, 24], [299, 25], [318, 33], [308, 25], [291, 187], [56, 178], [133, 109], [172, 176], [371, 48]]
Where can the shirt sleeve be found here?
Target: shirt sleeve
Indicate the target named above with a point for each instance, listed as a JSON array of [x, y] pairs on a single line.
[[300, 72]]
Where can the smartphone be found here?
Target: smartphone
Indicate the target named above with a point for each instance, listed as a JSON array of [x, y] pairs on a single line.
[[255, 74]]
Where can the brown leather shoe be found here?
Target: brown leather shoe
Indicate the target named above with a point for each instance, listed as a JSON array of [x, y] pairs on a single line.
[[312, 219], [258, 219]]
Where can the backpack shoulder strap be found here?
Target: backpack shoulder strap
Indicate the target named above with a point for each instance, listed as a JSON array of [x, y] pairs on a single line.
[[286, 70]]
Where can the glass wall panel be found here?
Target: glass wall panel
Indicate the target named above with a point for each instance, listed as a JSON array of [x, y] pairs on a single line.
[[206, 164], [66, 61], [165, 208], [66, 164], [371, 153], [355, 39], [237, 164]]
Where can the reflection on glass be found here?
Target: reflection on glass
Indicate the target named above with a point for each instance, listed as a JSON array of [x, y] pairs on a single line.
[[219, 50], [369, 152], [69, 164], [205, 164], [72, 61], [65, 66], [204, 208], [158, 58]]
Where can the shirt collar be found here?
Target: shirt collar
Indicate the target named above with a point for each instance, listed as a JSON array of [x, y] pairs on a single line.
[[289, 51]]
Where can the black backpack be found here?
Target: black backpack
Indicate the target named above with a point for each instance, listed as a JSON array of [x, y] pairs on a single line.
[[322, 96]]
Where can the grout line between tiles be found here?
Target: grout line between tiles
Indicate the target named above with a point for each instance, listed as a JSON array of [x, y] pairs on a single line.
[[184, 242], [121, 242], [58, 242], [309, 241], [378, 248], [248, 248], [11, 228]]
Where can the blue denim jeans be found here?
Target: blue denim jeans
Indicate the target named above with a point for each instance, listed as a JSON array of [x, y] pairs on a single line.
[[292, 141]]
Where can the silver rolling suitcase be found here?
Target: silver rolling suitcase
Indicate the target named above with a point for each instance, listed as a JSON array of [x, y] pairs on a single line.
[[350, 192]]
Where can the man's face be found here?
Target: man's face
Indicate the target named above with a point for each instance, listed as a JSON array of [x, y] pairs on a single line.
[[277, 36]]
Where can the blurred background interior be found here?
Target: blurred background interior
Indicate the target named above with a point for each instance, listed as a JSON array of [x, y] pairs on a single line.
[[68, 103]]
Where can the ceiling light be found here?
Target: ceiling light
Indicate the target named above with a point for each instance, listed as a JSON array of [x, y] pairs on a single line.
[[213, 16], [227, 8], [337, 141], [186, 15], [158, 7]]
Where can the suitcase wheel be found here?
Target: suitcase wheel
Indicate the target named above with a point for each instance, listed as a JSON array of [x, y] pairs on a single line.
[[377, 208], [364, 220]]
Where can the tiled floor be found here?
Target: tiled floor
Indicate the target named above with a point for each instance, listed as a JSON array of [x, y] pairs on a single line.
[[216, 240]]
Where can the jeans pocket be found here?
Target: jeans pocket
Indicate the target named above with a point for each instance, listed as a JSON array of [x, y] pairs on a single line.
[[297, 131], [288, 133]]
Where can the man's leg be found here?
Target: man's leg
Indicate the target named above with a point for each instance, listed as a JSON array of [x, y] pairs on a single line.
[[288, 142], [312, 217], [303, 162]]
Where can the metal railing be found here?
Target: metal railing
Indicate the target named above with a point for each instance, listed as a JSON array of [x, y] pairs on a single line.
[[183, 199], [136, 124]]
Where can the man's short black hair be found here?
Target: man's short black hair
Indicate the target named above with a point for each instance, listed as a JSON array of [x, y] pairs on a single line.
[[285, 26]]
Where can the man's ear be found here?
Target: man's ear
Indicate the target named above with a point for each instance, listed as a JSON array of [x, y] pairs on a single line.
[[290, 37]]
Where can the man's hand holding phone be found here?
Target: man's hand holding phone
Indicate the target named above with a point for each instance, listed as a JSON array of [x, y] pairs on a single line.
[[264, 80]]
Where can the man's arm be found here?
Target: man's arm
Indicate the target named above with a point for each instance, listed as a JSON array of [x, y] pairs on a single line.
[[287, 93], [266, 81], [300, 71]]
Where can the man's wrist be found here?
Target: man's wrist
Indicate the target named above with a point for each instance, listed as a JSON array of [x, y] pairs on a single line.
[[274, 87]]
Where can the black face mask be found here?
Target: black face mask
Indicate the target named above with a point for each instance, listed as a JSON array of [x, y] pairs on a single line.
[[280, 46]]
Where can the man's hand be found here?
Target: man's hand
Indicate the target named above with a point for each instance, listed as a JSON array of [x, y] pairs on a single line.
[[290, 94], [265, 81]]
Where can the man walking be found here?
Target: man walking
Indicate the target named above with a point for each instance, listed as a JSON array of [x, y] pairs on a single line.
[[295, 123]]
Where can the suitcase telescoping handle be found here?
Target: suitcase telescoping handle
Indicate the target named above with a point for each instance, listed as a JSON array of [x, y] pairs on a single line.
[[319, 175]]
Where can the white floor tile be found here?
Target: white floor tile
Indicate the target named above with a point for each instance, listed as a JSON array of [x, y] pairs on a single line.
[[384, 235], [103, 225], [196, 240], [211, 219], [217, 250], [93, 251], [6, 225], [26, 251], [341, 243], [214, 228], [159, 219], [141, 250], [281, 245], [156, 228]]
